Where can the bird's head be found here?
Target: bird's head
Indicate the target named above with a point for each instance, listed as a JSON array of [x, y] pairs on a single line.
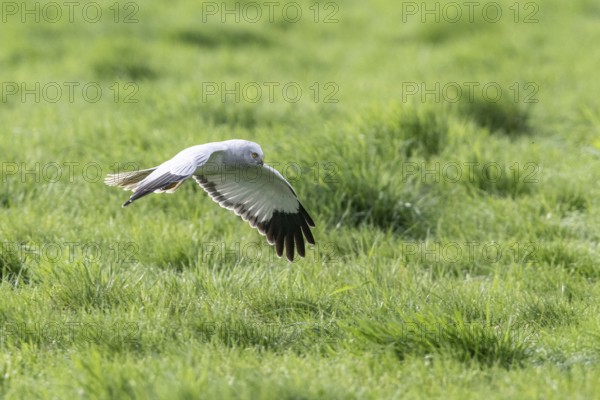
[[243, 153], [253, 154]]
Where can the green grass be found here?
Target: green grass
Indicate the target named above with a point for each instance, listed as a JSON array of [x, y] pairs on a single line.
[[457, 238]]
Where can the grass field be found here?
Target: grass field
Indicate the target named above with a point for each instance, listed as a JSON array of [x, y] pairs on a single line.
[[449, 156]]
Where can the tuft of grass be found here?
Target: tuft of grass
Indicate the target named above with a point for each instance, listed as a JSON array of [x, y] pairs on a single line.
[[434, 337], [13, 268], [570, 255], [91, 286], [549, 312]]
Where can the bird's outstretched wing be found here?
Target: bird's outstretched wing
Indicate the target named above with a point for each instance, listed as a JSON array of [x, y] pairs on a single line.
[[167, 177], [262, 196]]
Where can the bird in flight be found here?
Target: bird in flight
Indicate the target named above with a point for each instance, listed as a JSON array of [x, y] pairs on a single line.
[[234, 175]]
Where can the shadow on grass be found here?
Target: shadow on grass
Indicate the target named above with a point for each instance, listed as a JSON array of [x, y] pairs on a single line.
[[122, 59], [280, 307], [232, 114], [446, 29], [372, 186], [572, 200], [405, 132], [504, 115], [502, 178], [408, 213], [217, 37], [300, 337]]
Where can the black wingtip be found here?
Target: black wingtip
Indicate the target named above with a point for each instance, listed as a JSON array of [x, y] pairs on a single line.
[[307, 217], [289, 246], [128, 202]]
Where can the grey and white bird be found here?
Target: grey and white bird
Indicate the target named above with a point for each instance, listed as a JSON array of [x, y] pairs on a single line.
[[234, 175]]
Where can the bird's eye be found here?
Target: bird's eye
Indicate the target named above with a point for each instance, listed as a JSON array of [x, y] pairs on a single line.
[[254, 155]]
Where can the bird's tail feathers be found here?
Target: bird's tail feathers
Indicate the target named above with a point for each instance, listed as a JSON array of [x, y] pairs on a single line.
[[128, 180], [170, 188]]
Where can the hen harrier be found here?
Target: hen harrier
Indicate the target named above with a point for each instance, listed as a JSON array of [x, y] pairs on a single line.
[[234, 175]]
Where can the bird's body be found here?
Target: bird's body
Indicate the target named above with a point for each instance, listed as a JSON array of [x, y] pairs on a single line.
[[234, 175]]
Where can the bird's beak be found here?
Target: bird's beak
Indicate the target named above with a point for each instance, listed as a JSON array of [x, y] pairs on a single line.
[[262, 162]]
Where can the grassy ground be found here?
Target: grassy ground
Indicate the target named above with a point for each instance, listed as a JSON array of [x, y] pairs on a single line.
[[457, 229]]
